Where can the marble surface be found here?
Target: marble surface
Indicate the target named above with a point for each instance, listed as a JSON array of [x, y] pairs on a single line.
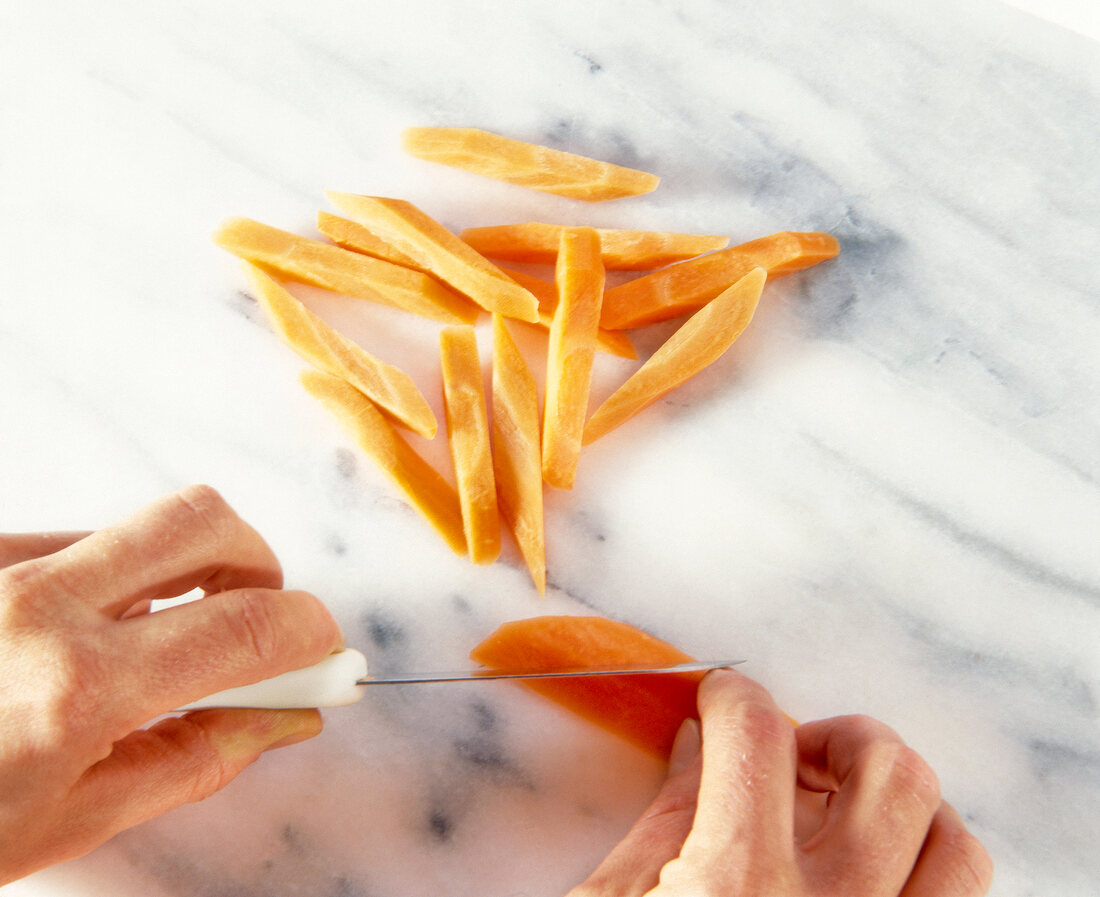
[[885, 497]]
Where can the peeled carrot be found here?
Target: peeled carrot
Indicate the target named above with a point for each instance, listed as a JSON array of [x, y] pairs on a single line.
[[647, 711], [468, 436], [420, 483], [614, 342], [700, 341], [527, 164], [621, 250], [687, 286], [352, 235], [325, 348], [350, 273], [436, 250], [517, 461], [580, 278]]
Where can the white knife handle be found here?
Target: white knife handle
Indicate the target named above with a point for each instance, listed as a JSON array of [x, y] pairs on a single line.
[[330, 683]]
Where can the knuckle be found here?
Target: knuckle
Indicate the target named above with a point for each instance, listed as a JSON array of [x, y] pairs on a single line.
[[184, 742], [900, 770], [205, 505], [253, 625], [763, 723], [968, 864]]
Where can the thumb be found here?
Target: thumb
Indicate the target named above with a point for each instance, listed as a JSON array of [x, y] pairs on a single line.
[[634, 866], [179, 760]]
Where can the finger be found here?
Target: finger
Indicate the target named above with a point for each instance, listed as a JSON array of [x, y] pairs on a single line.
[[634, 866], [747, 791], [885, 798], [189, 539], [952, 863], [175, 656], [18, 547], [177, 761]]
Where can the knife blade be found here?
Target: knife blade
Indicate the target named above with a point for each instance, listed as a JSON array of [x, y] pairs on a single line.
[[341, 679]]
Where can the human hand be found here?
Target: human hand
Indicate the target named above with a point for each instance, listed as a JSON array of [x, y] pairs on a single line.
[[835, 807], [84, 667]]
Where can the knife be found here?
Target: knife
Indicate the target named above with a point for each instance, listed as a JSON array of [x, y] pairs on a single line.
[[341, 679]]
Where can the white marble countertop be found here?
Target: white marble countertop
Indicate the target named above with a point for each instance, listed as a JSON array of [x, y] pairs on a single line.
[[885, 497]]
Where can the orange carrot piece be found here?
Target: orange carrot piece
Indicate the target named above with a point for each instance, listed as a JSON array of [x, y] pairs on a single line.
[[621, 250], [687, 286], [468, 436], [517, 460], [645, 710], [700, 341], [390, 388], [527, 164], [580, 280], [350, 273], [613, 342], [351, 235], [420, 483], [436, 250]]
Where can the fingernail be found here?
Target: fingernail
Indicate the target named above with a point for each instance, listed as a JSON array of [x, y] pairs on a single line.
[[294, 727], [685, 747]]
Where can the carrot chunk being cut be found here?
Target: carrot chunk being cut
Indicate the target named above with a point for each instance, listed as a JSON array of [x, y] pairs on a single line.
[[621, 250], [580, 278], [328, 350], [350, 273], [527, 164], [468, 436], [517, 461], [700, 341], [645, 710], [418, 481], [436, 250], [687, 286]]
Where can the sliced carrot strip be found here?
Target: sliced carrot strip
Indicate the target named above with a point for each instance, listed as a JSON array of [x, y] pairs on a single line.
[[687, 286], [517, 460], [700, 341], [325, 348], [436, 250], [647, 711], [621, 250], [468, 436], [420, 483], [580, 278], [350, 273], [613, 342], [527, 164], [350, 235]]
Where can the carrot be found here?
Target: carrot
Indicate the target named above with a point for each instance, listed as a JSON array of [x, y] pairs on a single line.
[[351, 235], [621, 250], [468, 436], [517, 461], [645, 710], [420, 483], [436, 250], [687, 286], [700, 341], [614, 342], [580, 279], [328, 350], [527, 164], [324, 265]]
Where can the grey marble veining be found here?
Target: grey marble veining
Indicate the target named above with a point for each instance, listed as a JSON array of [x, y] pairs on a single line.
[[885, 496]]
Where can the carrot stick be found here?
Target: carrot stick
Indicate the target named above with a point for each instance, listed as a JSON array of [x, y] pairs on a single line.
[[436, 250], [701, 341], [420, 483], [527, 164], [328, 350], [351, 235], [468, 436], [580, 278], [516, 453], [324, 265], [687, 286], [621, 250], [614, 342]]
